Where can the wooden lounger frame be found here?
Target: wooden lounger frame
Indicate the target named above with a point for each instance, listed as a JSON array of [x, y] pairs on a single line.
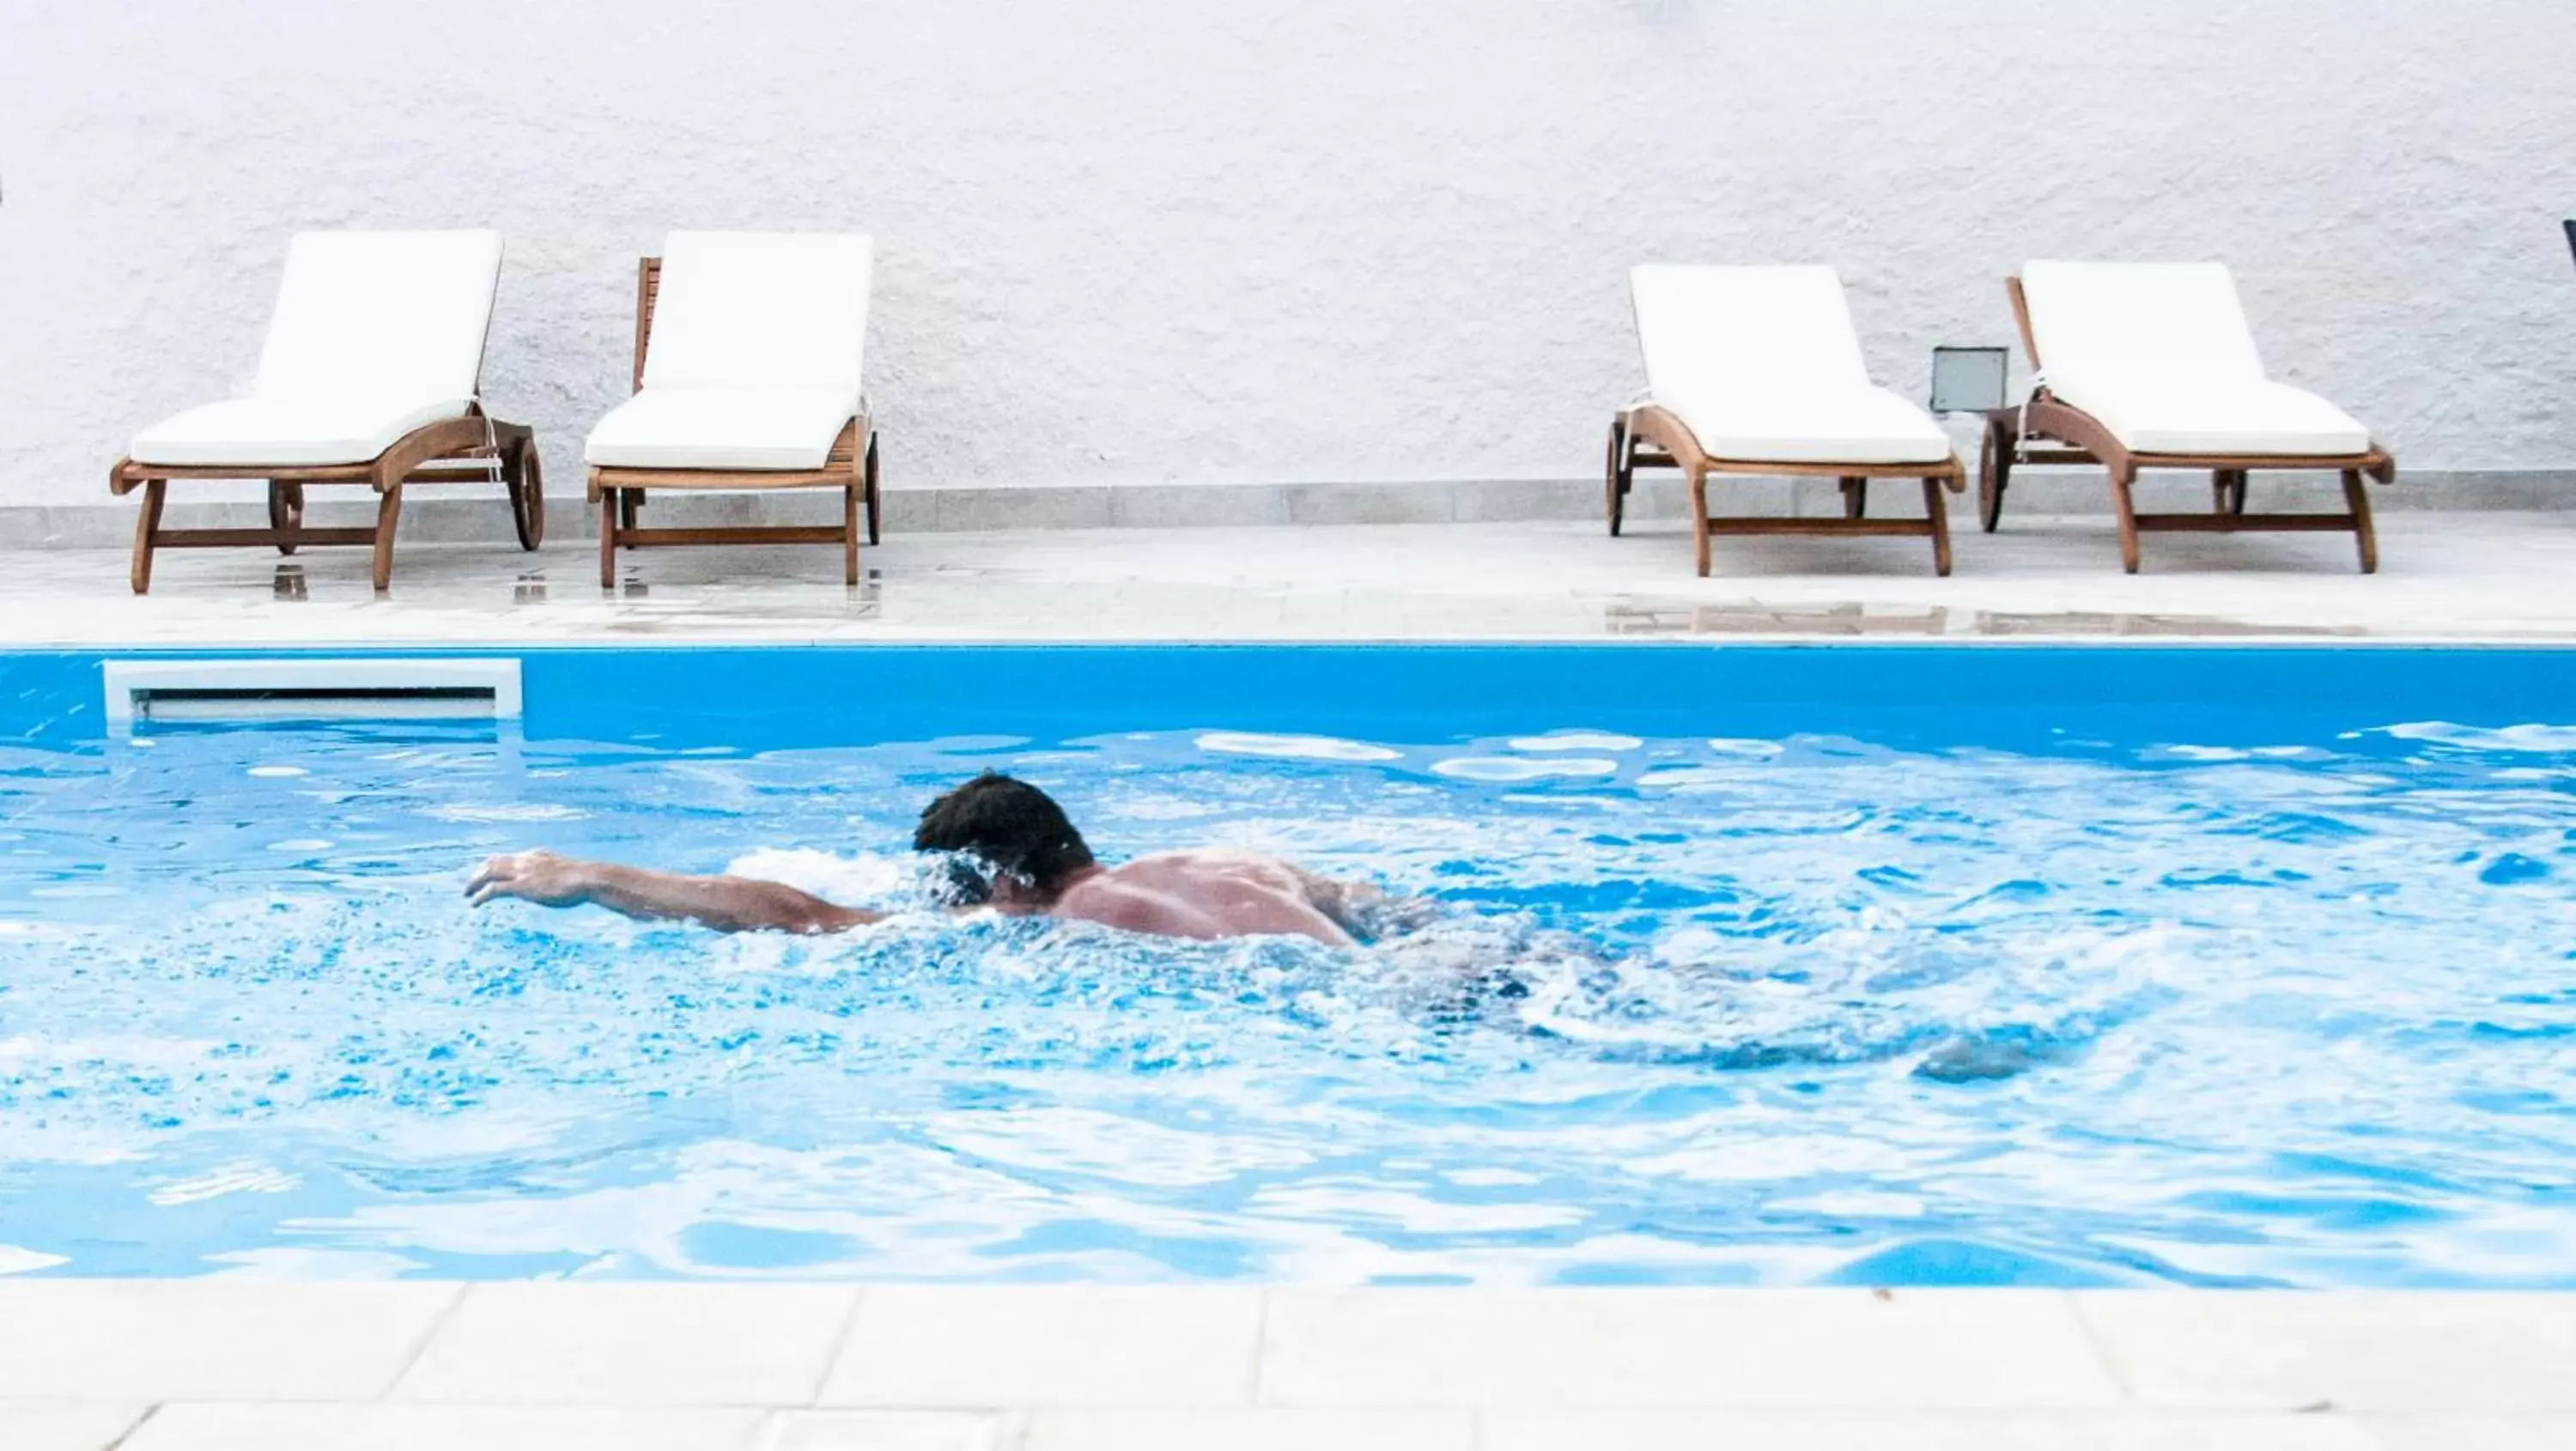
[[619, 492], [450, 451], [2069, 435], [1651, 437]]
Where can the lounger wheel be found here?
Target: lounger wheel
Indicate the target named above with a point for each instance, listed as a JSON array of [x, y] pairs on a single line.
[[1994, 475], [1619, 473], [526, 478], [285, 511]]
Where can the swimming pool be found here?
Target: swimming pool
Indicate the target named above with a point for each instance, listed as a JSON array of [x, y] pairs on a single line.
[[1752, 965]]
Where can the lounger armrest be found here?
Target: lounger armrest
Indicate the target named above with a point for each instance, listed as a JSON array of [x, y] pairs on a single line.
[[437, 440], [1664, 429]]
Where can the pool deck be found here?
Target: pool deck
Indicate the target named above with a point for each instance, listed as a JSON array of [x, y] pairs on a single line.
[[2471, 575], [237, 1365]]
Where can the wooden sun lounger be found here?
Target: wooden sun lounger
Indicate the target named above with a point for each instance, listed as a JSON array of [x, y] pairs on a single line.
[[375, 346], [620, 491], [1650, 437], [450, 451], [2069, 435], [1757, 371]]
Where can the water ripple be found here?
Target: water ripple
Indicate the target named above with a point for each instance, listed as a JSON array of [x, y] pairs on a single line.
[[1707, 1010]]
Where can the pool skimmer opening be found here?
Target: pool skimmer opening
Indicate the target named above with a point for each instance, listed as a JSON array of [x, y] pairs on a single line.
[[278, 690]]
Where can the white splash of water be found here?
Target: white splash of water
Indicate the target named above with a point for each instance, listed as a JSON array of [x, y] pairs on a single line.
[[2553, 739], [1308, 748], [1504, 768], [1576, 741], [241, 1178]]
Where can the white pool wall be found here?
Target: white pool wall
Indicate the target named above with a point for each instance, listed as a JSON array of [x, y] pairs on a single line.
[[1132, 242]]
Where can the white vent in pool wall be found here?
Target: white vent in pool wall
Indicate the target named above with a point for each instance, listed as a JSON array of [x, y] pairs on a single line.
[[267, 690]]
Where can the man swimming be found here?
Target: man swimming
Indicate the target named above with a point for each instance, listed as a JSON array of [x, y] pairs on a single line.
[[1011, 848]]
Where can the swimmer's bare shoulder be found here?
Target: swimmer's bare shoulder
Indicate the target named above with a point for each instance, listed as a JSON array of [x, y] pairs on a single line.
[[1204, 894], [1135, 906]]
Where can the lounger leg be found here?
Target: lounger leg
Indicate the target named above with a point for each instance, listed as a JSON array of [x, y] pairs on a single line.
[[2364, 533], [2120, 481], [1937, 509], [851, 504], [608, 538], [155, 493], [2228, 486], [628, 501], [1699, 518], [388, 514], [872, 490], [285, 512], [1855, 498]]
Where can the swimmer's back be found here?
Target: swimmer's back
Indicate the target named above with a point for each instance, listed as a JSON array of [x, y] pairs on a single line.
[[1206, 895]]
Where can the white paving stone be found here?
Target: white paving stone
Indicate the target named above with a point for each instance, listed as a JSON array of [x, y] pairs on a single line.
[[1809, 1348], [886, 1431], [2482, 575], [1251, 1430], [2353, 1351], [627, 1345], [2473, 1433], [1049, 1346], [1918, 1431], [205, 1339], [65, 1425], [287, 1366], [441, 1428]]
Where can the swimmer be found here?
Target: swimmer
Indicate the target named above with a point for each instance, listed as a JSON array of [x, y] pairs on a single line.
[[1012, 849]]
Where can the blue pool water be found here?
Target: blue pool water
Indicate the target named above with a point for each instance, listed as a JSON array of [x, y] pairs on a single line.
[[1877, 966]]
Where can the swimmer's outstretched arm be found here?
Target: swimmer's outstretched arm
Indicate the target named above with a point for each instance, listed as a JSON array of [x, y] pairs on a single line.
[[727, 904]]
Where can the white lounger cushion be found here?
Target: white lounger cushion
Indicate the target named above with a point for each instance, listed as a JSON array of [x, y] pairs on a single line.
[[1762, 365], [761, 310], [721, 428], [2161, 353], [2260, 419], [289, 434], [375, 334], [1851, 425], [754, 357]]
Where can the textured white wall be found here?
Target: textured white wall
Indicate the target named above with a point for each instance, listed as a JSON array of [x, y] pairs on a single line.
[[1148, 240]]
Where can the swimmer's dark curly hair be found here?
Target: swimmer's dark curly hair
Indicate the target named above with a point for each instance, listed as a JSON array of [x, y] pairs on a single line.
[[1011, 827]]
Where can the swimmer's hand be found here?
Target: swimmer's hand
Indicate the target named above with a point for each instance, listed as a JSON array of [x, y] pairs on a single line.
[[534, 876], [727, 904]]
